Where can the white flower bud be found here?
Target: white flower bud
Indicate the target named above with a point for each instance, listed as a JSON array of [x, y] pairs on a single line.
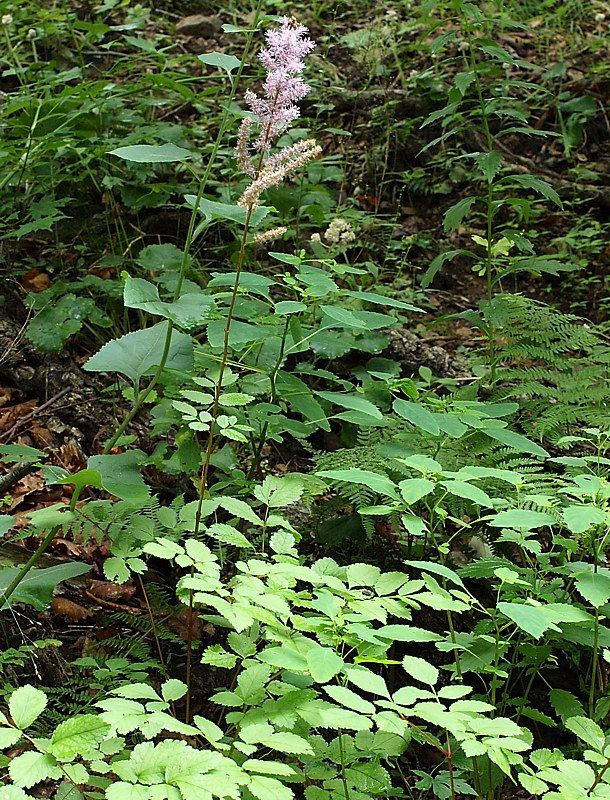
[[7, 19]]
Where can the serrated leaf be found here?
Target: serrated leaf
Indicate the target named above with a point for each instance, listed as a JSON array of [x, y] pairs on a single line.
[[522, 519], [32, 767], [455, 215], [9, 737], [136, 353], [594, 587], [420, 670], [78, 735], [346, 697], [264, 788], [25, 705], [587, 731], [323, 663], [173, 689]]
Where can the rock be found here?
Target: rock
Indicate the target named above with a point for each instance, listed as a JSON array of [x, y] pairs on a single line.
[[198, 25]]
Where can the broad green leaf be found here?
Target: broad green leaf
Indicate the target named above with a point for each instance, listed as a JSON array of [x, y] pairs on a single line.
[[532, 784], [279, 492], [362, 575], [173, 689], [323, 664], [369, 778], [36, 589], [355, 402], [469, 492], [9, 737], [413, 489], [588, 731], [437, 569], [228, 534], [346, 697], [25, 705], [149, 153], [221, 60], [489, 164], [268, 767], [519, 443], [343, 317], [522, 519], [528, 618], [455, 215], [264, 788], [367, 680], [67, 791], [213, 210], [382, 300], [188, 311], [77, 735], [594, 587], [420, 670], [579, 518], [417, 415], [32, 767], [121, 475], [136, 353], [378, 483]]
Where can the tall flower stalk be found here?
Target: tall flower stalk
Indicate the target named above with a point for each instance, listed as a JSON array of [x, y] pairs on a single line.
[[283, 57]]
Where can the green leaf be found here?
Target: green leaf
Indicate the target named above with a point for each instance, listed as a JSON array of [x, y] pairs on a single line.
[[519, 443], [378, 483], [149, 153], [188, 311], [420, 670], [538, 185], [489, 164], [67, 791], [136, 353], [367, 680], [454, 216], [588, 731], [528, 618], [354, 401], [382, 300], [279, 492], [213, 210], [36, 589], [121, 475], [594, 587], [580, 518], [469, 492], [362, 575], [532, 784], [32, 767], [369, 778], [78, 735], [413, 489], [521, 518], [25, 705], [9, 737], [417, 415], [323, 664], [346, 697], [173, 689], [264, 788], [221, 60]]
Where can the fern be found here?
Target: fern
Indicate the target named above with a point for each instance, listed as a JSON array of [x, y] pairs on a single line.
[[555, 364]]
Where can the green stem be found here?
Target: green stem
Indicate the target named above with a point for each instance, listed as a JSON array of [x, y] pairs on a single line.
[[34, 558]]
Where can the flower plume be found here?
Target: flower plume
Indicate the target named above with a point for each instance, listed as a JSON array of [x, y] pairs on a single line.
[[283, 88]]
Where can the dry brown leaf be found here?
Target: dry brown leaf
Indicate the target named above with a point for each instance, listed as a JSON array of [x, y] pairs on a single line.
[[69, 610]]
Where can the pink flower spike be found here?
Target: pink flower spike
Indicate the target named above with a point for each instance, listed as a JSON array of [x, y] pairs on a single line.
[[284, 87]]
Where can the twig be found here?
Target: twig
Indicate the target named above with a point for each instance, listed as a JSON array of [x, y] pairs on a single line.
[[35, 412]]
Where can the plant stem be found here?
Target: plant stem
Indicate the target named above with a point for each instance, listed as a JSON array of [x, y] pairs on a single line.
[[34, 558]]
